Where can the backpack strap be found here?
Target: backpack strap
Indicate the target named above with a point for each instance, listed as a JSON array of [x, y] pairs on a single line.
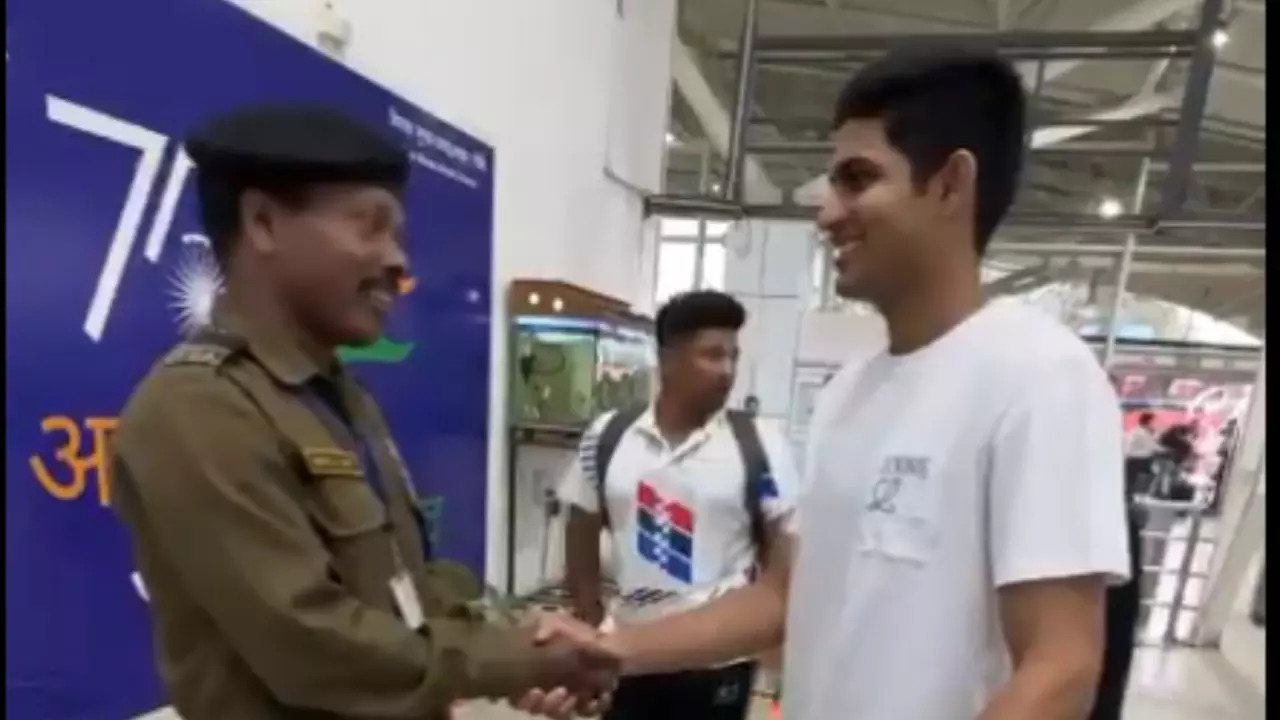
[[759, 477], [596, 457]]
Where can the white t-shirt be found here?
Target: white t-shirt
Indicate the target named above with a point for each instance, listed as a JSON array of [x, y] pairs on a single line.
[[678, 515], [990, 457], [1140, 443]]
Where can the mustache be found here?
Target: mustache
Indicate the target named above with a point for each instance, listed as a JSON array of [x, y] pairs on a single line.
[[387, 282]]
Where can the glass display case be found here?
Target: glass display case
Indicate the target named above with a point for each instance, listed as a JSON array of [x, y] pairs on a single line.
[[624, 373], [565, 371]]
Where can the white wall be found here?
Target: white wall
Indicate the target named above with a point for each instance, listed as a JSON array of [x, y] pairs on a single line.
[[832, 337], [769, 268], [563, 90]]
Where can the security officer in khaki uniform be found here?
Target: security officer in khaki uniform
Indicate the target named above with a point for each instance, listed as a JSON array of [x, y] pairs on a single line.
[[272, 522]]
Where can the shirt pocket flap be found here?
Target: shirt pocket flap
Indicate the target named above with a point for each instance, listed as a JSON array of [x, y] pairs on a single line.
[[339, 498]]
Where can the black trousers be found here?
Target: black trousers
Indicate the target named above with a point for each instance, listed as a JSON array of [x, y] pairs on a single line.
[[1137, 476], [716, 694], [1123, 604]]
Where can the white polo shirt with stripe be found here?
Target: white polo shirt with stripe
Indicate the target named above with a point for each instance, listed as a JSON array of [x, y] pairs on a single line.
[[678, 515]]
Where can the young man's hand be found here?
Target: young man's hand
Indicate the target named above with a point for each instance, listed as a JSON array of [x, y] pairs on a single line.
[[586, 693]]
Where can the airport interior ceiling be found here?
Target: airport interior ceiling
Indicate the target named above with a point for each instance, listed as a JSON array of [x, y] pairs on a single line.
[[1148, 116]]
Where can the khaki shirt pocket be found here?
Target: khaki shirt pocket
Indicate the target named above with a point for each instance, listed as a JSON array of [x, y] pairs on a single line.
[[353, 524]]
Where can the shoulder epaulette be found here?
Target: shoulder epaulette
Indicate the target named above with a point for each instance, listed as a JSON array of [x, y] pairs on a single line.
[[196, 354], [209, 349]]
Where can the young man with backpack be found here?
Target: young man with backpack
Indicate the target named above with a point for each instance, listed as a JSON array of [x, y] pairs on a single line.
[[963, 508], [693, 495]]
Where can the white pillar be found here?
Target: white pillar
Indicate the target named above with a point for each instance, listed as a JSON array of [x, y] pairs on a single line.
[[1242, 529], [767, 269]]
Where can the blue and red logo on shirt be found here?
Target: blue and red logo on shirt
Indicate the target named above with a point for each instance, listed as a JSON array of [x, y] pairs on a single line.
[[664, 534]]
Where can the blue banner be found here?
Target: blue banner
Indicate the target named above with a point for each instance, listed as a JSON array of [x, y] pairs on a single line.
[[106, 263]]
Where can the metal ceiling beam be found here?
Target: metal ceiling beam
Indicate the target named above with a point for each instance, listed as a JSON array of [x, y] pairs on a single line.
[[1255, 76], [1173, 192], [1044, 138], [1113, 36], [841, 47], [1123, 148], [714, 118], [1211, 166], [1104, 249], [1131, 16], [1241, 301], [1069, 57], [675, 205], [1118, 32], [744, 92], [1138, 121], [1003, 16], [1214, 221], [1146, 101]]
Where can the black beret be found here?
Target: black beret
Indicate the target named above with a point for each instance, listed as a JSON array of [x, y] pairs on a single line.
[[298, 142]]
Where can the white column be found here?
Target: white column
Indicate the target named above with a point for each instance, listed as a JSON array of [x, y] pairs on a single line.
[[767, 269], [1242, 531]]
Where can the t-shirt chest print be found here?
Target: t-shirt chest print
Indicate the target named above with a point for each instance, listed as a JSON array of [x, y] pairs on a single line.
[[664, 532], [897, 489]]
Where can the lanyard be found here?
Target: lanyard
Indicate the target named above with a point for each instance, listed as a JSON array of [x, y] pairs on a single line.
[[323, 399]]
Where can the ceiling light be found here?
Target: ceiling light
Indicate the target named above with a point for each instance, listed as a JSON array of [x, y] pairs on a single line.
[[1110, 208], [671, 139], [1220, 38]]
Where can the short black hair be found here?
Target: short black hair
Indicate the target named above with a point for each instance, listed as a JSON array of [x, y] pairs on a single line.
[[686, 314], [935, 100]]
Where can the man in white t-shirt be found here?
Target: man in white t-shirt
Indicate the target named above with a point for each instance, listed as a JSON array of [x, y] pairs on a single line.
[[693, 495], [1141, 442], [1140, 448], [963, 507]]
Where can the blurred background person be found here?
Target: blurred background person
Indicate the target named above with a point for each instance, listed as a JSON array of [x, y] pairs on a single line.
[[1140, 448]]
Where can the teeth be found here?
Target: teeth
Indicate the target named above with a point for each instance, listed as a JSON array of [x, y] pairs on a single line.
[[380, 298], [845, 249]]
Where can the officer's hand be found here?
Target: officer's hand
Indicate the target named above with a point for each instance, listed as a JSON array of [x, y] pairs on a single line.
[[587, 666], [560, 704]]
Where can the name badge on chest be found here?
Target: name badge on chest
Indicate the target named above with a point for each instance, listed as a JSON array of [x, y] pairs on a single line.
[[405, 595], [406, 599]]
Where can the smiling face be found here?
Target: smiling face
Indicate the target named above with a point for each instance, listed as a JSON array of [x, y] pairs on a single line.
[[337, 256], [885, 229]]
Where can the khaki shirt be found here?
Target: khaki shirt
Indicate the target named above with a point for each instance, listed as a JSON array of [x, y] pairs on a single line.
[[268, 556]]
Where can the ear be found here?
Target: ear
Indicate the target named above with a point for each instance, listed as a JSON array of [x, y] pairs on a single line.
[[958, 180], [258, 220]]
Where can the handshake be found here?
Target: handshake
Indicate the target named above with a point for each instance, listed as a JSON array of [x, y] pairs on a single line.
[[576, 671]]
